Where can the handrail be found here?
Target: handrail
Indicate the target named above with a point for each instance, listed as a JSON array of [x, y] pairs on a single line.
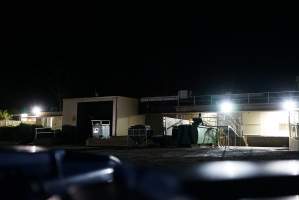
[[239, 98], [227, 136], [216, 127], [39, 131]]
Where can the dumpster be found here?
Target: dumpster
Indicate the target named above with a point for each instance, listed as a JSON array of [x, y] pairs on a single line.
[[184, 135]]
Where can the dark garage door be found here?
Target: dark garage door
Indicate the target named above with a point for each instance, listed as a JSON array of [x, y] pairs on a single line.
[[88, 111]]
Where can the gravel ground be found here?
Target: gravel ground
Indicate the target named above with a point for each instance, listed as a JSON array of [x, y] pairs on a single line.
[[182, 157]]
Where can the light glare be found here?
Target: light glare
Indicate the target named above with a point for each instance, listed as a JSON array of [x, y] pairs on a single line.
[[36, 110], [226, 107], [24, 115], [289, 105]]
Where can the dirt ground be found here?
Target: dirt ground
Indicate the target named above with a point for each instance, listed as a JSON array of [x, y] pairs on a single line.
[[183, 157]]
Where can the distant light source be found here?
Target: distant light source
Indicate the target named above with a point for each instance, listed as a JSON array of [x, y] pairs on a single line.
[[36, 110], [226, 107], [289, 105], [23, 115]]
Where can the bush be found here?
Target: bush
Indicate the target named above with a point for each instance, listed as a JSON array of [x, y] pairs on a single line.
[[7, 134], [69, 134], [5, 115], [25, 133], [22, 134]]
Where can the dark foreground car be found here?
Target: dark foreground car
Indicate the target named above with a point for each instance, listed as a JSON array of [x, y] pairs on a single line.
[[36, 173]]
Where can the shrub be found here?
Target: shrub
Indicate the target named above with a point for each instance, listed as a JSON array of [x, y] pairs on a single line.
[[7, 134], [21, 134], [5, 115], [25, 133], [69, 134]]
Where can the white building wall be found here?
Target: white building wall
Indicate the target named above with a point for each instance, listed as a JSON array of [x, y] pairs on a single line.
[[69, 112], [126, 108], [70, 109], [265, 123], [123, 108], [136, 120]]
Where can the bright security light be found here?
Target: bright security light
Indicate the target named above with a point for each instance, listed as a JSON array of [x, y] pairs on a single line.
[[36, 110], [24, 115], [226, 107], [289, 105]]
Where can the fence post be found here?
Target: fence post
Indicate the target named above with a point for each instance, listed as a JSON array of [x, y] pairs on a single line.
[[228, 135], [248, 97], [35, 137]]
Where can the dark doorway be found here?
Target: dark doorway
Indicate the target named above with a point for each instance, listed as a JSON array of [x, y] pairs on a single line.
[[88, 111]]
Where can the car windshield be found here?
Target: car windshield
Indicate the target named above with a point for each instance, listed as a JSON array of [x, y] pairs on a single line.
[[149, 105]]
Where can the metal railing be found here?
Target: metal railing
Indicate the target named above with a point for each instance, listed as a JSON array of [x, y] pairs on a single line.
[[229, 137], [39, 131], [294, 131], [223, 136], [138, 136], [241, 98]]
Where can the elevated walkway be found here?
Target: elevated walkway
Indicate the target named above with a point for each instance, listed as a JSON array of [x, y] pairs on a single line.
[[208, 103]]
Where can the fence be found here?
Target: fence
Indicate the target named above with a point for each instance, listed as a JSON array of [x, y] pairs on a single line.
[[44, 131], [4, 123], [138, 136]]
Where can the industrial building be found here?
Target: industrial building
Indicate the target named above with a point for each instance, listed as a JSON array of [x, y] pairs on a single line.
[[52, 120], [115, 109], [260, 118]]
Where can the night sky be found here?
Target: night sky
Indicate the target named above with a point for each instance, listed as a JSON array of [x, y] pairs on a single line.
[[143, 54]]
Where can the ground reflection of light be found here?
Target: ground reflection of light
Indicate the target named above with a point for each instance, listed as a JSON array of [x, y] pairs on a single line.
[[293, 197], [285, 167], [227, 170], [54, 197], [115, 159], [33, 149], [29, 149], [243, 169]]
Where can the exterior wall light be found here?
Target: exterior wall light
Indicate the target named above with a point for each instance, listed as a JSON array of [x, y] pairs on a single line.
[[226, 107]]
